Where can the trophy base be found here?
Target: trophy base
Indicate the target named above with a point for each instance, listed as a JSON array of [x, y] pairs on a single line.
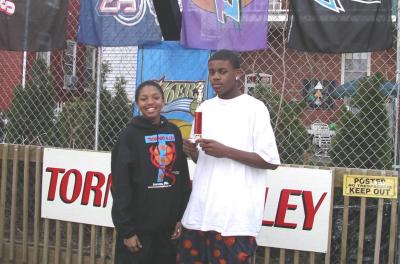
[[196, 136]]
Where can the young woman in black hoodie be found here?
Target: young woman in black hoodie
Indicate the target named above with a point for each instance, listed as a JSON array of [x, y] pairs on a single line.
[[150, 185]]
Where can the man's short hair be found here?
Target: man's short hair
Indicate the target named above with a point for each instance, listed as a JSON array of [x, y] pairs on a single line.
[[228, 55]]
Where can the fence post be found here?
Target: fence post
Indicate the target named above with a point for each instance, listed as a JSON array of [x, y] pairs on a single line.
[[98, 85], [396, 135], [24, 70], [95, 231]]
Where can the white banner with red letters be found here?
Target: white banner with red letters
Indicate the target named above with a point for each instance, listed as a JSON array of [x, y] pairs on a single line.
[[76, 186], [298, 201], [298, 204]]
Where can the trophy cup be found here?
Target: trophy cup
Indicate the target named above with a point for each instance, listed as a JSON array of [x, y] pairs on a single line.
[[197, 129], [197, 122]]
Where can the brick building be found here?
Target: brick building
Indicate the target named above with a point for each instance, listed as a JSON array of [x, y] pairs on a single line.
[[290, 71]]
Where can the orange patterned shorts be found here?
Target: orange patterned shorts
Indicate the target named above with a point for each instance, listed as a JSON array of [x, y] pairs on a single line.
[[209, 247]]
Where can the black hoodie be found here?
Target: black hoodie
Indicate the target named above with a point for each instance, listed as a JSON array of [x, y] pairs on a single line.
[[150, 184]]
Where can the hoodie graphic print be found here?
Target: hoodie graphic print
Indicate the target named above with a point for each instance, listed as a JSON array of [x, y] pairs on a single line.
[[162, 156]]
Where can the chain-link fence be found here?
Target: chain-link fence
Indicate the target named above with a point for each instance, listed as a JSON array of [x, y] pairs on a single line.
[[336, 110], [327, 109]]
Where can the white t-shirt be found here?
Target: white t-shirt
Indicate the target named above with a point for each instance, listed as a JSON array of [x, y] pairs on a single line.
[[228, 196]]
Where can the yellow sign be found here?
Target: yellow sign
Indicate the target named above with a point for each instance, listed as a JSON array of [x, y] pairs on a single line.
[[370, 186]]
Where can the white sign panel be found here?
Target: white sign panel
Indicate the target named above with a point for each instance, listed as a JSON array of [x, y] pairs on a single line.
[[76, 186], [298, 204]]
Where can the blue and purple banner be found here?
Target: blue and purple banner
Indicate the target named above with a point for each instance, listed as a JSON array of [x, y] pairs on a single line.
[[118, 23], [239, 25]]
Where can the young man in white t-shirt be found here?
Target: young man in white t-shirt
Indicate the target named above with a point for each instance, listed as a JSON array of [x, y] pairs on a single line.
[[225, 210]]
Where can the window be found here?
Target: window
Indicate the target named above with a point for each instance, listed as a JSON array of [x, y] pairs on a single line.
[[89, 74], [70, 79], [45, 56], [90, 63], [275, 5], [70, 58], [355, 65]]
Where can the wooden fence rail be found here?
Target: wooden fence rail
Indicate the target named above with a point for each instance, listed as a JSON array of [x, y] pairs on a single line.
[[363, 230]]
